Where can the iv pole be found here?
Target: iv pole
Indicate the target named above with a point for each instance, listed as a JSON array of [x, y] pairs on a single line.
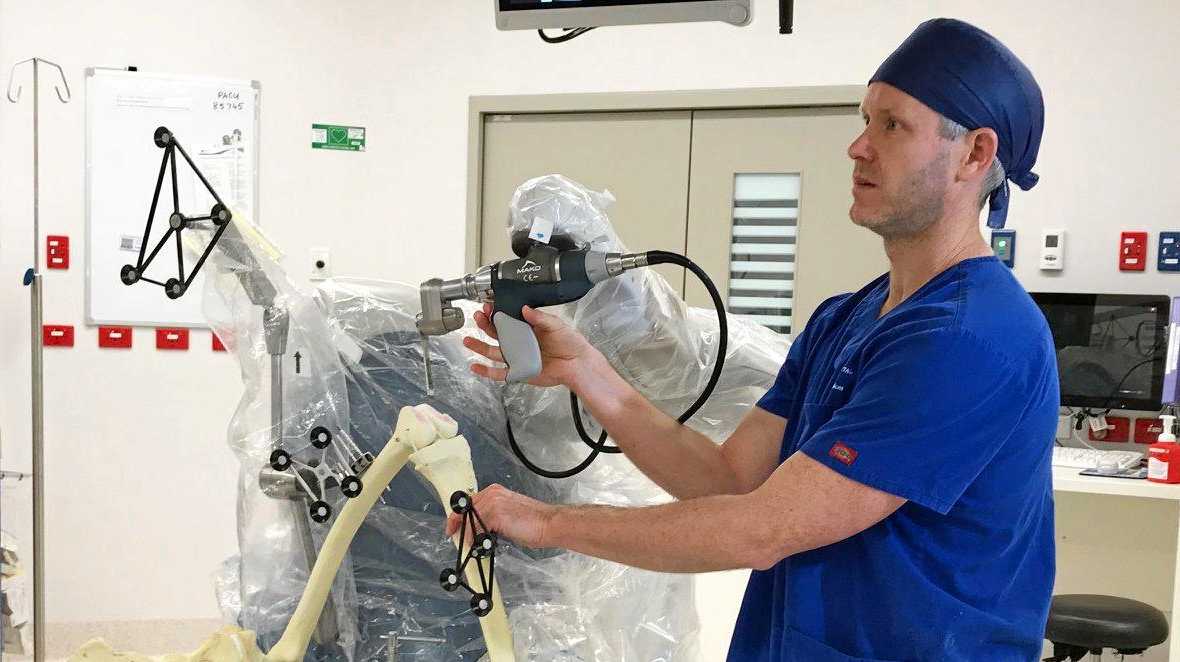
[[33, 280]]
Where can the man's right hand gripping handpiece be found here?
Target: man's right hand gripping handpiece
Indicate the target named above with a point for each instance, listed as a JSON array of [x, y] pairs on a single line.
[[567, 358]]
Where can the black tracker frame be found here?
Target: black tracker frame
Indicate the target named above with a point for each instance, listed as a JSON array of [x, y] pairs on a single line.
[[219, 216], [483, 546]]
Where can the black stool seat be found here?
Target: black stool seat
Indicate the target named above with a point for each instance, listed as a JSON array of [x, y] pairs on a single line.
[[1104, 621]]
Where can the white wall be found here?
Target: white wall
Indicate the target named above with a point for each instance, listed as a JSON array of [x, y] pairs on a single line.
[[140, 481]]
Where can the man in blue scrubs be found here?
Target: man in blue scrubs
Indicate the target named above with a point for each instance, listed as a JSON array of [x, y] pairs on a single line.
[[892, 490]]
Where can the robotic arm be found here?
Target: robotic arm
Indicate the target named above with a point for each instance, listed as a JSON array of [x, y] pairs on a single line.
[[546, 274], [340, 464]]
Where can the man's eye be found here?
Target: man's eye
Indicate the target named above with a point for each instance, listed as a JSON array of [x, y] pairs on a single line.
[[890, 125]]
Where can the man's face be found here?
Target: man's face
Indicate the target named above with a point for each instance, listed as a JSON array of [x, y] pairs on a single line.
[[901, 166]]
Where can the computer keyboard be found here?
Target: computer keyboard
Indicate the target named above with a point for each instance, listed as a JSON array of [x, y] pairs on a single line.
[[1089, 458]]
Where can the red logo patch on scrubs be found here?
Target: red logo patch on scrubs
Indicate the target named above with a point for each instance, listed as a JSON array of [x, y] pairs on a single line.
[[843, 453]]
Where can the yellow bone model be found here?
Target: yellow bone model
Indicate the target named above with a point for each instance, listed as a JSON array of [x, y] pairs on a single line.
[[448, 469]]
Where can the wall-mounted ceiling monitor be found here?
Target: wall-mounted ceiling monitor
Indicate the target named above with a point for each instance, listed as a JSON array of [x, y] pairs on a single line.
[[541, 14]]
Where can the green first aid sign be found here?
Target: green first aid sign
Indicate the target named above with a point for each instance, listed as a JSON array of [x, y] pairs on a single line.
[[330, 136]]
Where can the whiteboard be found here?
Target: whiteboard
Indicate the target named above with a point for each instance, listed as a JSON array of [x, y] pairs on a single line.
[[216, 122]]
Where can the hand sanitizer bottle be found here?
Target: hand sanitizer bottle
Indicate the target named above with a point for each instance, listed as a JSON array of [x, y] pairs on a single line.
[[1163, 463]]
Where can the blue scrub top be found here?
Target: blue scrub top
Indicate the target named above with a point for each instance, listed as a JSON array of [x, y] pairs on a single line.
[[949, 401]]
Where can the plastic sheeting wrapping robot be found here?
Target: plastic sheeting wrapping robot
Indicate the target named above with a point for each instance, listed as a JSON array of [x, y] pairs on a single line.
[[424, 437], [361, 364]]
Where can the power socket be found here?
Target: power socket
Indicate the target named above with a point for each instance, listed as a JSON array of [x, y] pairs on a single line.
[[1117, 430], [1064, 427], [1168, 256], [321, 263], [1052, 250], [1133, 251]]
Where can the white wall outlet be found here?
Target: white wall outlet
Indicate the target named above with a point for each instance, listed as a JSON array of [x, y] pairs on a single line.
[[1098, 423], [1064, 423], [321, 263], [1052, 250]]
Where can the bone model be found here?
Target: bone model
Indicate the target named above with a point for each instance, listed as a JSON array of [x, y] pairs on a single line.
[[447, 466], [448, 469]]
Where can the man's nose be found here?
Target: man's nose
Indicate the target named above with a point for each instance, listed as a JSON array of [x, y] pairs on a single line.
[[860, 149]]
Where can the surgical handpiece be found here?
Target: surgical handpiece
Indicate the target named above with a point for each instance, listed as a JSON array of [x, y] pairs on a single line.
[[544, 275]]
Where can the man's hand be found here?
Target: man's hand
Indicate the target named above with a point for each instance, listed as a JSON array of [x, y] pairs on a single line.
[[565, 353], [519, 518], [813, 506]]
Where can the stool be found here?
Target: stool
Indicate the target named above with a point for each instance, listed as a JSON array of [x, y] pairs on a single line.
[[1081, 624]]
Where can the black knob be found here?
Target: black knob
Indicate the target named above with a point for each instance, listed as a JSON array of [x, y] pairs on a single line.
[[481, 604], [320, 511], [460, 502], [173, 288], [483, 545], [280, 460], [162, 137], [449, 580], [351, 486], [220, 214], [320, 437]]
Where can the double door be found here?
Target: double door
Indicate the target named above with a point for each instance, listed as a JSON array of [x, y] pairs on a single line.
[[758, 197]]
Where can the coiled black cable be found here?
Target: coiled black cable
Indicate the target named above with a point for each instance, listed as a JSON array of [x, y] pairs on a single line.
[[569, 33], [600, 446], [1115, 393]]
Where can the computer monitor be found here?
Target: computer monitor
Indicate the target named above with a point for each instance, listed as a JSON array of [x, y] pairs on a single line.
[[1110, 348], [1171, 369], [539, 14]]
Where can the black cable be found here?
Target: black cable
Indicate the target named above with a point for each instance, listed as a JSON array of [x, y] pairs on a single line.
[[519, 453], [1117, 388], [1161, 339], [786, 16], [600, 446], [665, 257], [570, 33]]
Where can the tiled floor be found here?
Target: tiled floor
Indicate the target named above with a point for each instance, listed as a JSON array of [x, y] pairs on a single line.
[[147, 637]]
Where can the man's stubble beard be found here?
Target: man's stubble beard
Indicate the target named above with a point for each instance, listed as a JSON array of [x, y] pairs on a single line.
[[924, 192]]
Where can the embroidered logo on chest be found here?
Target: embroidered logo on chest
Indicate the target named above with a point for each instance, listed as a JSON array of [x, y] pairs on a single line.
[[842, 379], [843, 453]]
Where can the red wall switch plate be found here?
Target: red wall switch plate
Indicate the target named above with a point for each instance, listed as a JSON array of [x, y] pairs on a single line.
[[114, 337], [171, 338], [217, 344], [1133, 251], [1147, 430], [57, 335], [1119, 431], [57, 251]]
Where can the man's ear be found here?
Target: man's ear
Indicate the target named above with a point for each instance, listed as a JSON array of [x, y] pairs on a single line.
[[982, 144]]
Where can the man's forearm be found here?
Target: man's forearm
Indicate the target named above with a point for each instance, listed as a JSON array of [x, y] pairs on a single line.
[[684, 462], [803, 506], [697, 535]]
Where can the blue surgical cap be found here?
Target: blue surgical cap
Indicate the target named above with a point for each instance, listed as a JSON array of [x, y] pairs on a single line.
[[967, 75]]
